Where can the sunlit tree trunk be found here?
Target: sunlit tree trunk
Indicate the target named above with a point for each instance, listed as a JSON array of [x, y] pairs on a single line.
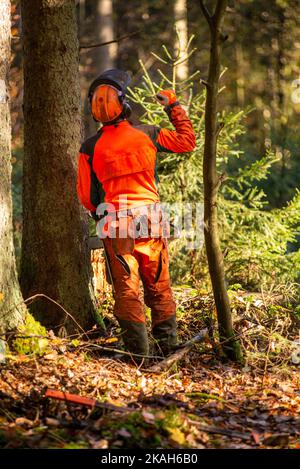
[[181, 23], [55, 255], [12, 307], [96, 26], [212, 181], [106, 55]]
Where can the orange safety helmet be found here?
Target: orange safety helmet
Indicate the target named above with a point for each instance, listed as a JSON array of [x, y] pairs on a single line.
[[105, 104]]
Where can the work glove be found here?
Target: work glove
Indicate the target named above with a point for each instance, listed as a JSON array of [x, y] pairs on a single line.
[[166, 97]]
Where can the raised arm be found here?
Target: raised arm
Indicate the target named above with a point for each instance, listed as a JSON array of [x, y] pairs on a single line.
[[182, 139]]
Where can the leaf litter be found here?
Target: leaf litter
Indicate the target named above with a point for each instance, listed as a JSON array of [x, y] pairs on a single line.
[[201, 402]]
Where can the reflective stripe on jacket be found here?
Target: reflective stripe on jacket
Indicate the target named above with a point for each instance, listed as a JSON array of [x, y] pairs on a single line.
[[119, 162]]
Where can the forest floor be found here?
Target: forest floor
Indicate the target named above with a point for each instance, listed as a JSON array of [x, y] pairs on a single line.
[[200, 402]]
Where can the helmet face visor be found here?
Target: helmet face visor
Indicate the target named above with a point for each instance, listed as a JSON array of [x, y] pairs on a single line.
[[106, 104]]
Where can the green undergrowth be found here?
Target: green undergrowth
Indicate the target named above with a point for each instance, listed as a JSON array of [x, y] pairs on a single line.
[[149, 429]]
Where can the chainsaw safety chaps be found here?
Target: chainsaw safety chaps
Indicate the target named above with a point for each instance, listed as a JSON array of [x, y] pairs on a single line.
[[149, 262]]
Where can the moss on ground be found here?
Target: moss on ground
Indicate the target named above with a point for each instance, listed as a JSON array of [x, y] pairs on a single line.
[[31, 338]]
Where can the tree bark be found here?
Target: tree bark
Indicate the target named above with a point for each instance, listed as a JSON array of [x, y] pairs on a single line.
[[211, 184], [106, 55], [55, 256], [12, 307], [180, 16]]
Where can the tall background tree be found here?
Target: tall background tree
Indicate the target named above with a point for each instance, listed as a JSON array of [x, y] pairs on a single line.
[[95, 26], [106, 56], [55, 256], [181, 24], [12, 308], [212, 180]]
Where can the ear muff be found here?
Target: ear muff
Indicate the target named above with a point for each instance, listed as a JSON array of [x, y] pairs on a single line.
[[126, 109]]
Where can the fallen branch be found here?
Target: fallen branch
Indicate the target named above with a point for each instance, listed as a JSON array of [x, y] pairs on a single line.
[[119, 351], [169, 361], [220, 431]]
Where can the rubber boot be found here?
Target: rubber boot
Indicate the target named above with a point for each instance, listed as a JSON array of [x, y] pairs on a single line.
[[135, 338], [165, 334]]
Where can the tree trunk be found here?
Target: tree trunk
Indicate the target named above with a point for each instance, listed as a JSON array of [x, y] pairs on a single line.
[[96, 27], [12, 307], [55, 256], [180, 15], [280, 126], [211, 185], [106, 55]]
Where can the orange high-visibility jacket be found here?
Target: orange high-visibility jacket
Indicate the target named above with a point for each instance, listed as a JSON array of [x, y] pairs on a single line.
[[119, 161]]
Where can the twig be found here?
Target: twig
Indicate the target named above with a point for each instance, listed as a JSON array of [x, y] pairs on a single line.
[[101, 44], [221, 431], [221, 126], [148, 64], [206, 13], [33, 298], [123, 352], [205, 83], [42, 295]]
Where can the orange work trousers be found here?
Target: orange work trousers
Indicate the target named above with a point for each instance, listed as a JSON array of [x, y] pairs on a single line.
[[146, 260]]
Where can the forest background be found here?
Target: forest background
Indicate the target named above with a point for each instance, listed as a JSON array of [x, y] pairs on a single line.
[[164, 45], [259, 102]]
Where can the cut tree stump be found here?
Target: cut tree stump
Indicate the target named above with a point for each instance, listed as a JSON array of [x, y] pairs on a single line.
[[100, 282]]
